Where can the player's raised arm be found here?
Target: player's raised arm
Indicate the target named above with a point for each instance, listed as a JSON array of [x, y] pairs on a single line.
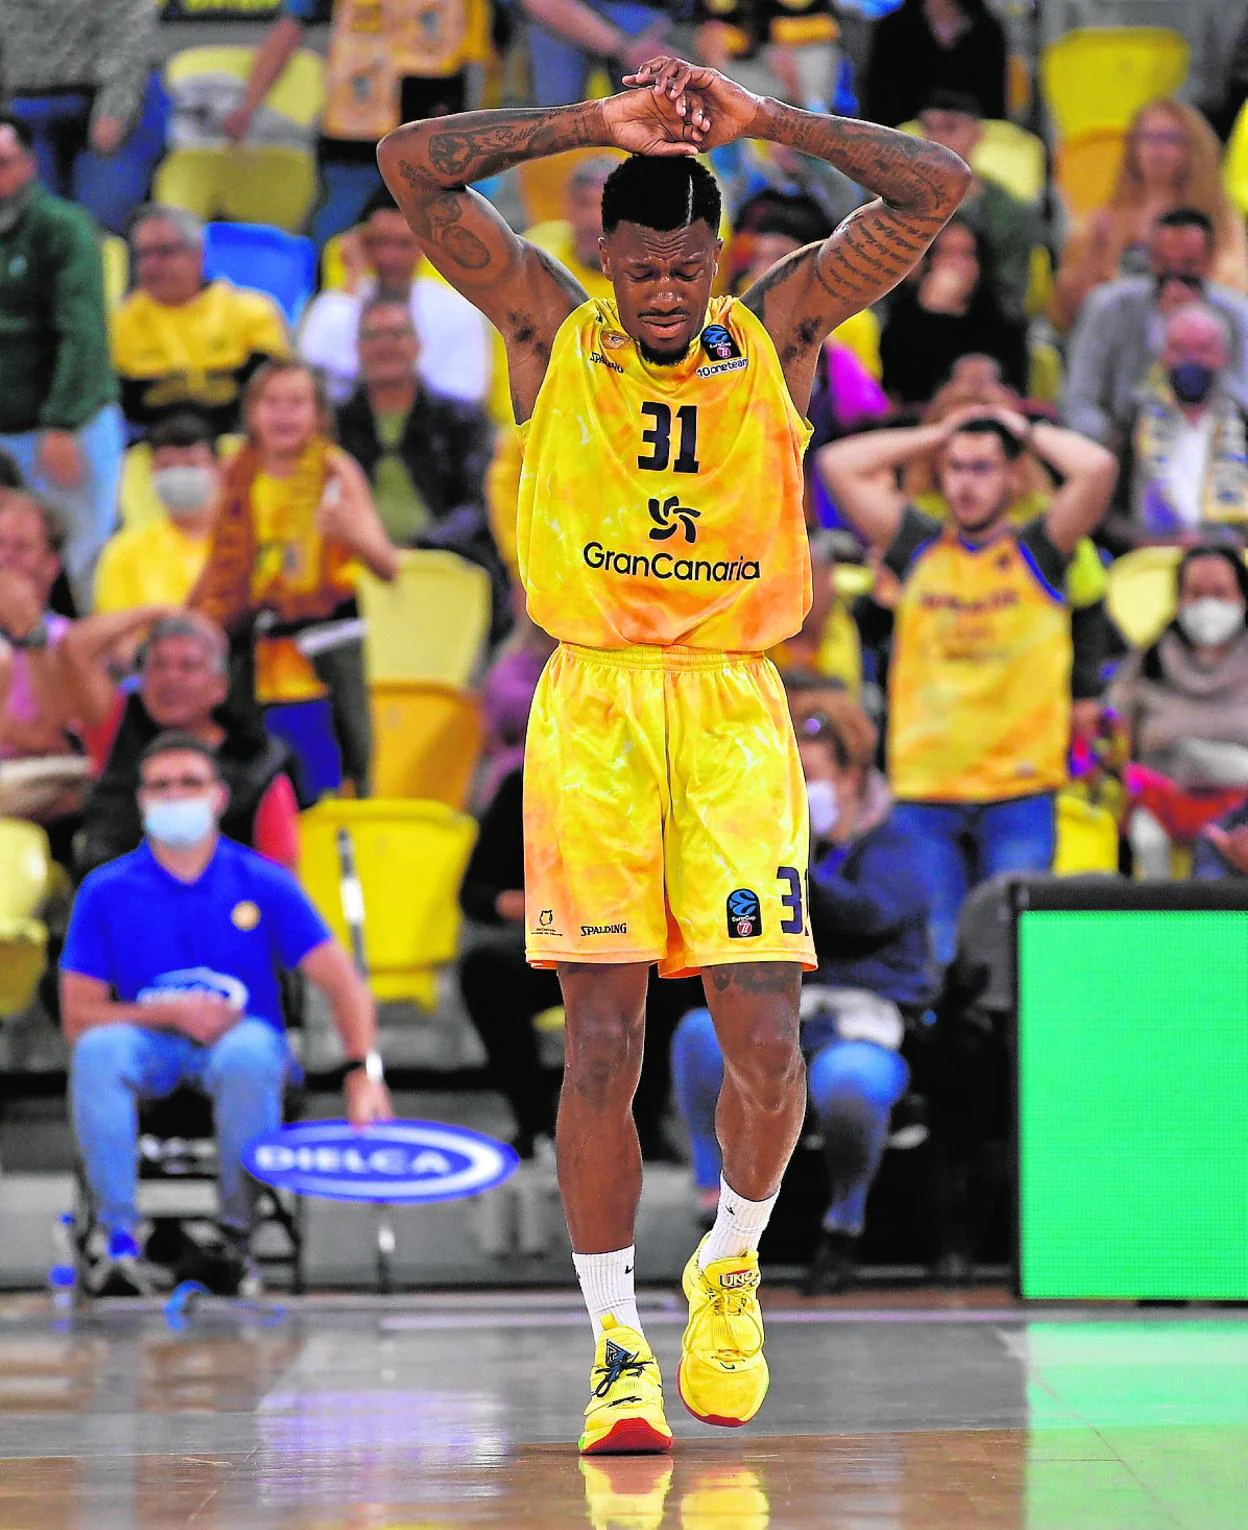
[[524, 292], [918, 184]]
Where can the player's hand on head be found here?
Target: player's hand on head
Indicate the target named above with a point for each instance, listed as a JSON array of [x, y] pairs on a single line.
[[721, 110], [646, 122]]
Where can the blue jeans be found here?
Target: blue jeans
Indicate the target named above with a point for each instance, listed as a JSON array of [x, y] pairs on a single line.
[[113, 1067], [853, 1087], [560, 69], [958, 845], [88, 512], [345, 188], [111, 187]]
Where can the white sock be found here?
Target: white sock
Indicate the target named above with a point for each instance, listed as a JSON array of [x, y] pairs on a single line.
[[739, 1224], [607, 1286]]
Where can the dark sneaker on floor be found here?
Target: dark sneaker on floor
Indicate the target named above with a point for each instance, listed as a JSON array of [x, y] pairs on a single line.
[[121, 1270], [834, 1267]]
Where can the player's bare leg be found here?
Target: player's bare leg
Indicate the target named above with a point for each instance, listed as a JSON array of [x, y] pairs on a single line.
[[599, 1159], [723, 1376]]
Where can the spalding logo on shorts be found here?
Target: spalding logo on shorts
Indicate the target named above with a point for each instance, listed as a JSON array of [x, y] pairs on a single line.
[[393, 1161]]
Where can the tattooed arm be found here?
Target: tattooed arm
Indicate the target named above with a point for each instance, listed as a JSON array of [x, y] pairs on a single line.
[[524, 292], [918, 185]]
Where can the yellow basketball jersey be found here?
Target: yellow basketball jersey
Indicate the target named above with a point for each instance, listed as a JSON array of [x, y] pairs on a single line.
[[663, 505], [979, 684]]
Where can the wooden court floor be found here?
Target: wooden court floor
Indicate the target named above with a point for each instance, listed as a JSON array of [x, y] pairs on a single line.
[[435, 1413]]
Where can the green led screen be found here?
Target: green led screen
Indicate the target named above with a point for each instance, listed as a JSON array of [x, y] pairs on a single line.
[[1133, 1104]]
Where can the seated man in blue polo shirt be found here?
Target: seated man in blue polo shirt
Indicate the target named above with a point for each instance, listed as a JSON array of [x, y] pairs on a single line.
[[170, 975]]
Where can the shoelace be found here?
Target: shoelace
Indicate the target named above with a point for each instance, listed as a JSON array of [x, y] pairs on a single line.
[[725, 1307], [628, 1365]]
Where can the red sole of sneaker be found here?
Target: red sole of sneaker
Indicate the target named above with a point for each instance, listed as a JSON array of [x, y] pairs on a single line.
[[707, 1418], [631, 1437]]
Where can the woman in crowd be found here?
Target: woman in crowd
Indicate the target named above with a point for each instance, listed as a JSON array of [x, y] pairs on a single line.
[[949, 309], [868, 913], [1183, 703], [1171, 159], [296, 516]]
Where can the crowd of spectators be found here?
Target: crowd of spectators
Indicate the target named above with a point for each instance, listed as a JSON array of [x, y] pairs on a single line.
[[191, 486]]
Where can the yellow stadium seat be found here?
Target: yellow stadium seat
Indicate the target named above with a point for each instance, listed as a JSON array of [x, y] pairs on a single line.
[[852, 580], [276, 186], [410, 857], [1087, 838], [115, 255], [1235, 163], [297, 95], [1039, 283], [431, 623], [1099, 77], [1140, 594], [1086, 168], [1014, 158], [28, 877], [860, 333], [427, 740], [543, 182]]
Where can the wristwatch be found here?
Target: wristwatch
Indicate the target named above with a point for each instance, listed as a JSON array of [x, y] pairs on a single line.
[[36, 638], [370, 1063]]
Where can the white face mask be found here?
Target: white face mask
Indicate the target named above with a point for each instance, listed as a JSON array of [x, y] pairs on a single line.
[[1212, 621], [185, 490], [825, 809], [180, 823]]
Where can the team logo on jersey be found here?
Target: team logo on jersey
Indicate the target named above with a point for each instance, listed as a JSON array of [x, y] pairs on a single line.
[[719, 343], [613, 340], [546, 918], [745, 914], [669, 517]]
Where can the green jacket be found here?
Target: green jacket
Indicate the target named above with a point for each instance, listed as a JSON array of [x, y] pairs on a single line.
[[55, 368]]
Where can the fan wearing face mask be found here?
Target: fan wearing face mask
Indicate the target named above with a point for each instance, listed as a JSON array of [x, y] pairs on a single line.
[[1184, 704], [869, 915], [1186, 462], [159, 563]]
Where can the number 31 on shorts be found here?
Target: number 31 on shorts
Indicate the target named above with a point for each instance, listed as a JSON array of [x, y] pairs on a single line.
[[795, 923]]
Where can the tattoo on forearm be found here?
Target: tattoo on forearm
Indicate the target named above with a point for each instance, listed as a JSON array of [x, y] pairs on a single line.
[[465, 149], [906, 171]]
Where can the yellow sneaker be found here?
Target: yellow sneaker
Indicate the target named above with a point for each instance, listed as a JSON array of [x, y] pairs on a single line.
[[623, 1493], [723, 1375], [625, 1412]]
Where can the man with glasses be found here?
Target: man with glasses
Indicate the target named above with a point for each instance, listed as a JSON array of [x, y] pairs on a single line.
[[1118, 337], [195, 1001], [979, 686], [180, 341], [59, 420]]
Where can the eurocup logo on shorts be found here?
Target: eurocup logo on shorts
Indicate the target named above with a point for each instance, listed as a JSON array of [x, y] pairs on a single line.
[[745, 914], [392, 1162]]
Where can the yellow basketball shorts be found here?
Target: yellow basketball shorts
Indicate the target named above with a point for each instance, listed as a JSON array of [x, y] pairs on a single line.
[[665, 813]]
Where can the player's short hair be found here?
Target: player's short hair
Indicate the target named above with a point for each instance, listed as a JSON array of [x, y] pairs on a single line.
[[661, 193], [171, 741], [989, 426]]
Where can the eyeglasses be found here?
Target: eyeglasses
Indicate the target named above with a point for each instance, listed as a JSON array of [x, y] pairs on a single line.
[[178, 783], [158, 251]]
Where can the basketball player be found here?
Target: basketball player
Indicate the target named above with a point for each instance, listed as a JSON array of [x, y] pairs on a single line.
[[661, 540]]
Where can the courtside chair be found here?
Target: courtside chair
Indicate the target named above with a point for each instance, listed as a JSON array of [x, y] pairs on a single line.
[[1099, 77], [1087, 838], [268, 259], [271, 176], [1007, 154], [410, 859], [431, 623], [1235, 163], [1140, 592]]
